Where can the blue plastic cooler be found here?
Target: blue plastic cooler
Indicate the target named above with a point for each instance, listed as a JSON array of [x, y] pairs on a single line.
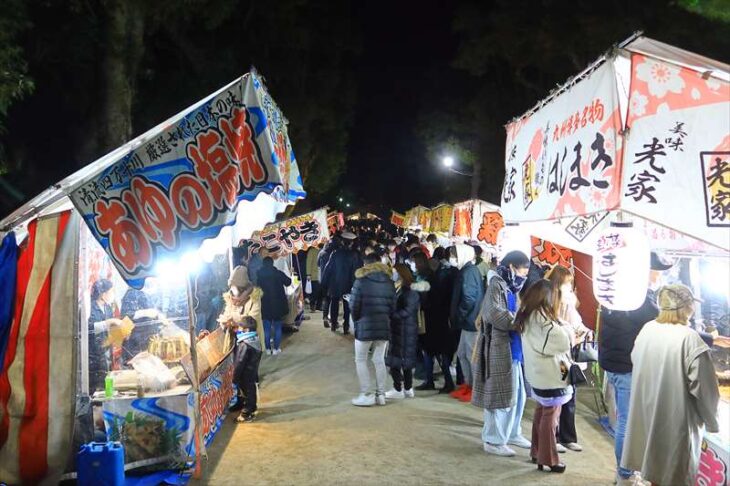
[[100, 463]]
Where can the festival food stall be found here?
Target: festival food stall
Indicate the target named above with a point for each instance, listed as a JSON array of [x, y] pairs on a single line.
[[630, 155], [154, 222], [284, 240]]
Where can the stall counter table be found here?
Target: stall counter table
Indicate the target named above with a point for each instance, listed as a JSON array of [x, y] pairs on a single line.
[[159, 428]]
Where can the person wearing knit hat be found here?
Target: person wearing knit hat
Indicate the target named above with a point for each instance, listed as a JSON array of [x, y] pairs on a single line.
[[239, 277], [674, 394]]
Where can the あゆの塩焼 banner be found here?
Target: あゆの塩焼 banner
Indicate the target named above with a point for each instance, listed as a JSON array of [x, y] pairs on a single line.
[[183, 183], [564, 159]]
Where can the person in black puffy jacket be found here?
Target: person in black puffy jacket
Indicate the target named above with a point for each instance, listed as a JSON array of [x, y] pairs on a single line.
[[403, 342], [338, 278], [372, 302]]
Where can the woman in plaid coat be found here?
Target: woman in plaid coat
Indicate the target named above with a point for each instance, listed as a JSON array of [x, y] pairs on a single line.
[[499, 386]]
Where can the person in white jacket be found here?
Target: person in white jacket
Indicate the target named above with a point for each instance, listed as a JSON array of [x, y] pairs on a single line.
[[565, 304], [546, 351]]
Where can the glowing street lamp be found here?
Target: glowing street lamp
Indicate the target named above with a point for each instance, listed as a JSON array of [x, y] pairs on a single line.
[[340, 199], [448, 161]]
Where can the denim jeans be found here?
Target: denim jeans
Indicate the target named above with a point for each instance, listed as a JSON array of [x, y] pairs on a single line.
[[621, 383], [504, 424], [276, 325], [361, 363]]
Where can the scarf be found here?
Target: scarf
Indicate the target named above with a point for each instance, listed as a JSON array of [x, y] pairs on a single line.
[[514, 283]]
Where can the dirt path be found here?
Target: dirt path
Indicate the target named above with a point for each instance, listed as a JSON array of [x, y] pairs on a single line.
[[307, 432]]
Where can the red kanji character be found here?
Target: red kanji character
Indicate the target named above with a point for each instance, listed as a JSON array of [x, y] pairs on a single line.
[[213, 166], [190, 200], [152, 210], [591, 113], [598, 109], [576, 121], [584, 118], [240, 146], [564, 128], [711, 471], [556, 133], [127, 242]]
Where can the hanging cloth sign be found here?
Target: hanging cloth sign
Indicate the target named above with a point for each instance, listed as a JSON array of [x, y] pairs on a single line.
[[564, 159], [293, 235], [183, 184], [397, 219], [462, 220], [677, 163], [441, 218]]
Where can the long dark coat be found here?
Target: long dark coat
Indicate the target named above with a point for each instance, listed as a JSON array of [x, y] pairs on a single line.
[[274, 304], [339, 274], [403, 343], [439, 337]]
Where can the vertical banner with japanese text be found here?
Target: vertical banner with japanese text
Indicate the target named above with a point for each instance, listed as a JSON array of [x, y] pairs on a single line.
[[564, 159], [293, 235], [678, 144], [441, 218], [183, 184], [462, 220], [397, 219]]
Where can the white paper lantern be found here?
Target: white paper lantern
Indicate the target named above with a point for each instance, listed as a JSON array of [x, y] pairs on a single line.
[[621, 262], [513, 237]]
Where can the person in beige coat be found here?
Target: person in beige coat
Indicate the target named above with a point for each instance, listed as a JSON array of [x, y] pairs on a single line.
[[674, 394]]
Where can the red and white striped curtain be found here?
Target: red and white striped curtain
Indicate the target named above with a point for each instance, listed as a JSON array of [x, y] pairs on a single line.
[[38, 378]]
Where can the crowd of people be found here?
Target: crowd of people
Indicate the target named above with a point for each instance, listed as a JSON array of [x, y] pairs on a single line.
[[501, 332]]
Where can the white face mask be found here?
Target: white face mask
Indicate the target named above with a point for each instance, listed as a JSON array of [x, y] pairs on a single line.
[[453, 262], [412, 266], [396, 276]]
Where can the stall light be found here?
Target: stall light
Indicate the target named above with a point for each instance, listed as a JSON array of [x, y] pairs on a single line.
[[621, 262], [191, 262], [513, 237], [718, 274]]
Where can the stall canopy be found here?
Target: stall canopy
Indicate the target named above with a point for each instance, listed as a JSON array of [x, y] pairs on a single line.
[[165, 192], [224, 163], [645, 130]]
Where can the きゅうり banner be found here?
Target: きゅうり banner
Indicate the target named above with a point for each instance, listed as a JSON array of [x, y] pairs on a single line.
[[293, 235], [678, 144], [564, 159], [184, 184]]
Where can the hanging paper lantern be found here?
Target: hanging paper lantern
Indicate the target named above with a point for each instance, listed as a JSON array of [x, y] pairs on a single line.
[[621, 261], [513, 237]]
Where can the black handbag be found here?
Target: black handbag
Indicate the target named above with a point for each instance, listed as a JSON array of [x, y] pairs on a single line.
[[576, 376], [585, 351]]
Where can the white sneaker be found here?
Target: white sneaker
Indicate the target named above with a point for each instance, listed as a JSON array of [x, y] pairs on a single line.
[[380, 399], [394, 394], [520, 442], [270, 352], [277, 351], [503, 451], [364, 400], [409, 393], [561, 448], [573, 446]]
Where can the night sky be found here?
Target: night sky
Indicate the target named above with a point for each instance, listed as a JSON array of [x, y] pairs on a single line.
[[402, 44]]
